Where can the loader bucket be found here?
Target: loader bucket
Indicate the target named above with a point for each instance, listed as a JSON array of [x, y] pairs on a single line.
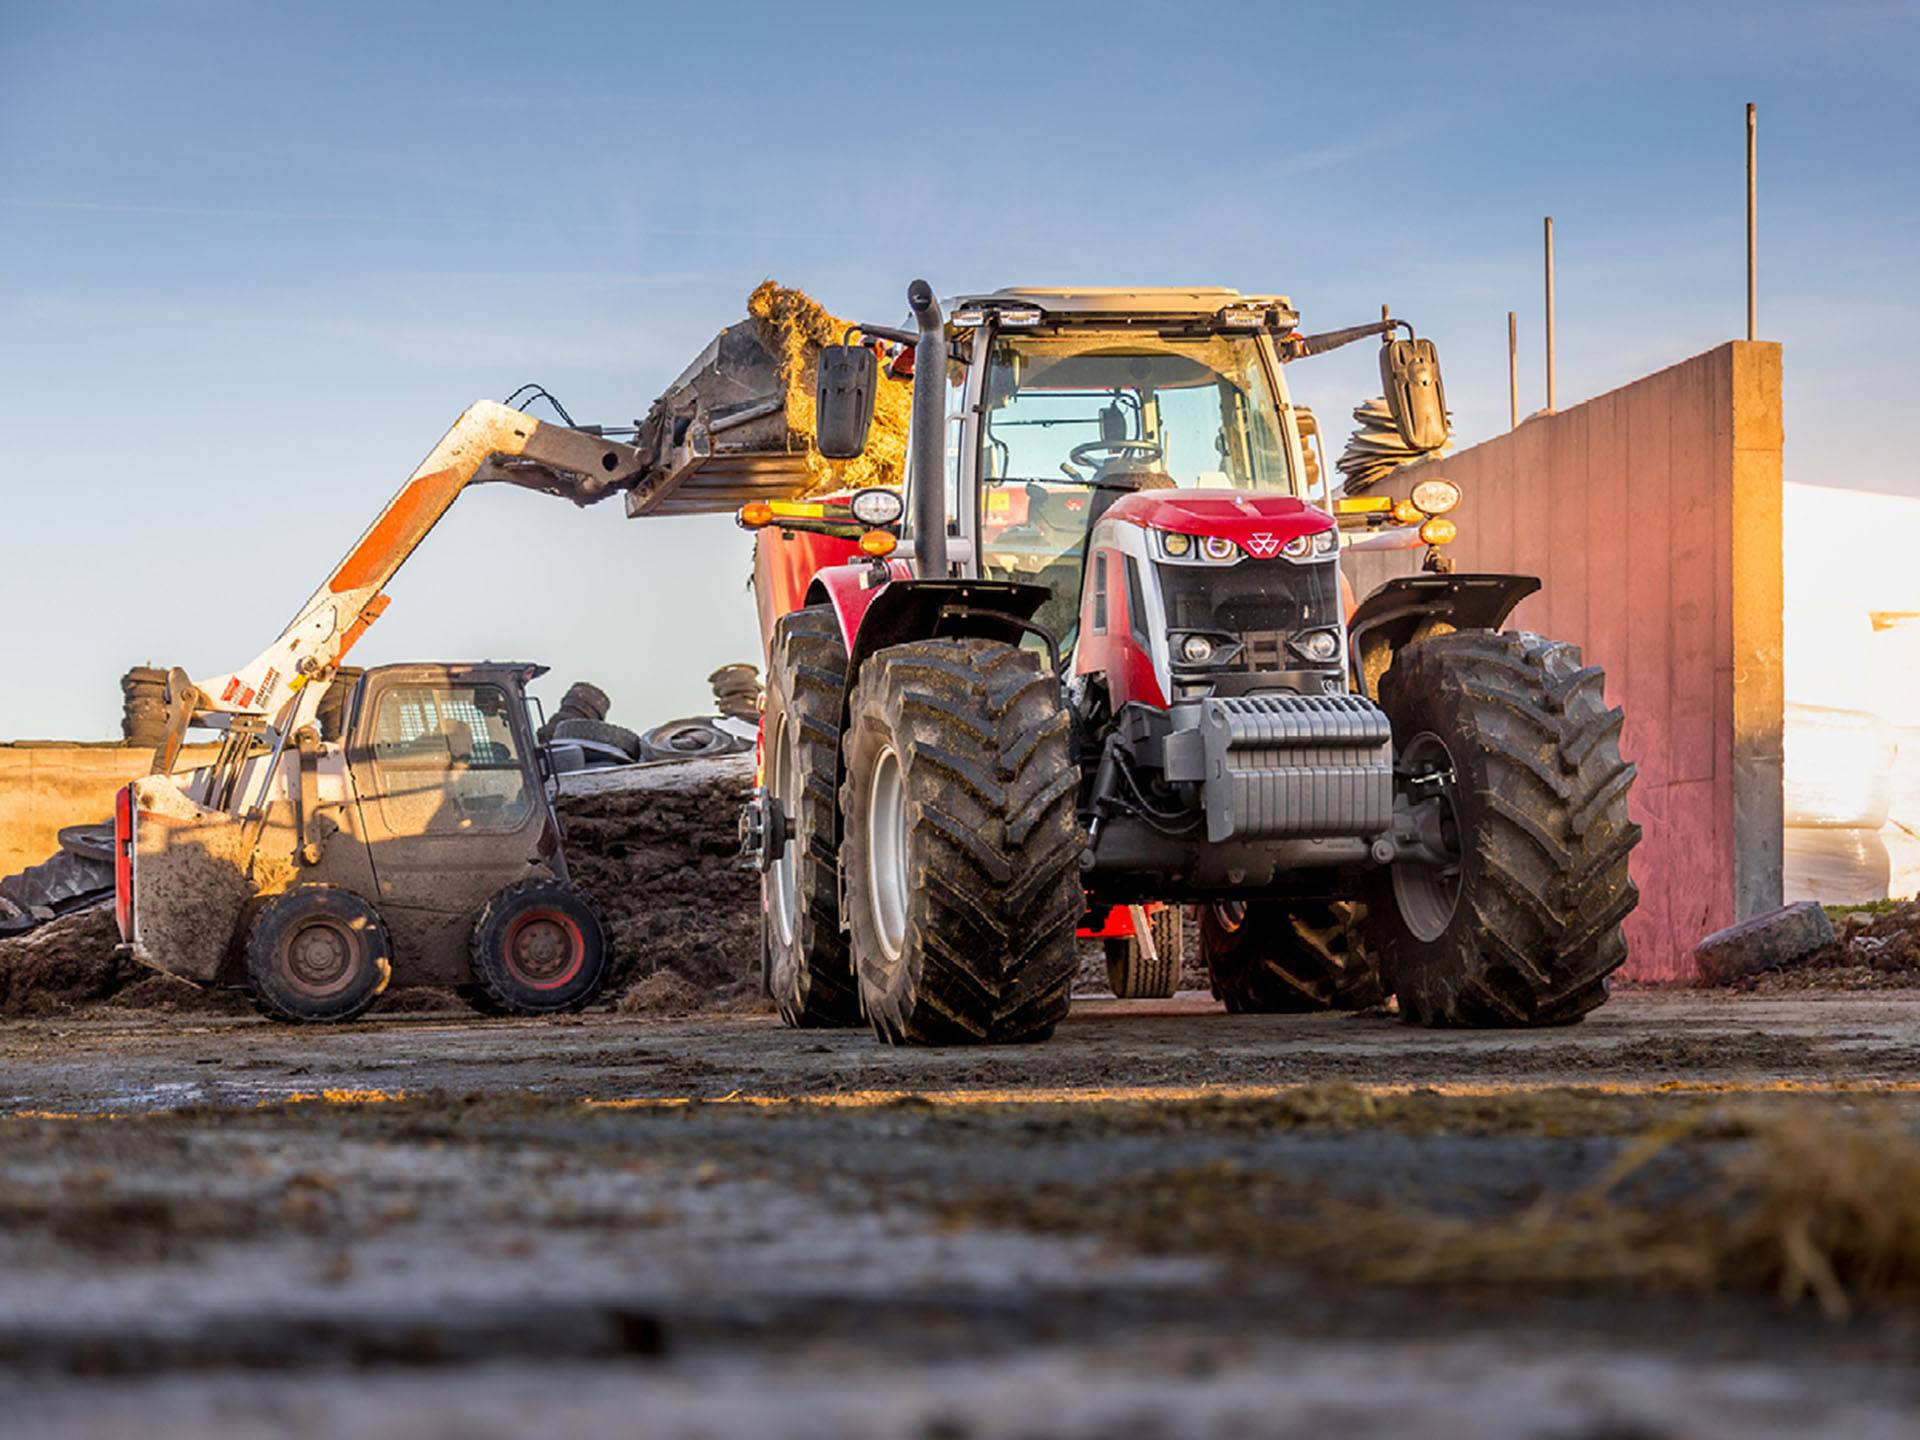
[[738, 424]]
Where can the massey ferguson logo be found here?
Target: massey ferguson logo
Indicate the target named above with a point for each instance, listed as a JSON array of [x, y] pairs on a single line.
[[1263, 545]]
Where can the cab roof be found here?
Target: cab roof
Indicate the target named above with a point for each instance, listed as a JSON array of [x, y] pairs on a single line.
[[1130, 300]]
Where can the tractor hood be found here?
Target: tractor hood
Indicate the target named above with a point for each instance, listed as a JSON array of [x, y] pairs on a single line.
[[1258, 524]]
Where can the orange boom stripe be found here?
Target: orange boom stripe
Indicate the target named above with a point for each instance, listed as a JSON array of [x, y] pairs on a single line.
[[397, 530]]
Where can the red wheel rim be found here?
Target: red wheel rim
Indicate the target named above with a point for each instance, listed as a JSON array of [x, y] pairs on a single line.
[[544, 949]]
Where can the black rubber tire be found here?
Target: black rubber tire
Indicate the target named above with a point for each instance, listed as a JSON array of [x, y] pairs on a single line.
[[989, 877], [509, 956], [1540, 808], [693, 738], [63, 882], [331, 714], [1131, 976], [351, 937], [1274, 957], [810, 971], [587, 700], [618, 736], [89, 842]]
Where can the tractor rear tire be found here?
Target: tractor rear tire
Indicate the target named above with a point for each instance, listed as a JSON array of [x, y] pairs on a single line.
[[962, 845], [809, 967], [539, 948], [316, 955], [1131, 976], [1286, 957], [1513, 735]]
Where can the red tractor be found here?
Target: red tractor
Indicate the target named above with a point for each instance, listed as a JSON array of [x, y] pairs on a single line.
[[1121, 666]]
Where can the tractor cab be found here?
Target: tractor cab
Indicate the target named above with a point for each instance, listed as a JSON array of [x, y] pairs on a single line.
[[1080, 412]]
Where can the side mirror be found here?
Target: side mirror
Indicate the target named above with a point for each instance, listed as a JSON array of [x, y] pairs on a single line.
[[1410, 376], [843, 400]]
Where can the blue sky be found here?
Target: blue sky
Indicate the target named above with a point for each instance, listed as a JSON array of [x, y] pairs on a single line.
[[254, 259]]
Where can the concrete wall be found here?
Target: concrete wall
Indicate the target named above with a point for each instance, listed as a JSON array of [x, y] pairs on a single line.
[[1652, 515], [45, 786]]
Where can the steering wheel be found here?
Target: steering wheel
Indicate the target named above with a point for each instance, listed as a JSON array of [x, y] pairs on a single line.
[[1096, 453]]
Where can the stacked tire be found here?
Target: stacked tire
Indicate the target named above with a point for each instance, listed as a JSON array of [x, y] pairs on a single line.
[[143, 705]]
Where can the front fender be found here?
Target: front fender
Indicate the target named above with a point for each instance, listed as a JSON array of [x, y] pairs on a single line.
[[850, 590], [1403, 609]]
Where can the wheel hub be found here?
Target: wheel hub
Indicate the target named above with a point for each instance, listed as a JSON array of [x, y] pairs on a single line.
[[1428, 892], [783, 780], [887, 852], [541, 948], [319, 955]]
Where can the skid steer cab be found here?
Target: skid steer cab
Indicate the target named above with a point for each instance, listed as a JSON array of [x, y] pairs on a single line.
[[405, 834], [1115, 663]]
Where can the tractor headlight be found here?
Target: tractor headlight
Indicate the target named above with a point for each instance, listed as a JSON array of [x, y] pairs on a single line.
[[878, 506], [1218, 547], [1196, 649], [1175, 545], [1326, 542], [1436, 496], [1298, 548], [1321, 646]]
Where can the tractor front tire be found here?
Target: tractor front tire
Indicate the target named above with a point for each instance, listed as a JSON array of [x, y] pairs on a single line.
[[316, 955], [538, 948], [1509, 738], [1131, 975], [962, 846], [1273, 957], [809, 969]]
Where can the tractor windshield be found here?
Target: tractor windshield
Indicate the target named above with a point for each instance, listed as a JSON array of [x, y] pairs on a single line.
[[1072, 419]]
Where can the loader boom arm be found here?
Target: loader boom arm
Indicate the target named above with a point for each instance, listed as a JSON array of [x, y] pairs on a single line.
[[488, 443]]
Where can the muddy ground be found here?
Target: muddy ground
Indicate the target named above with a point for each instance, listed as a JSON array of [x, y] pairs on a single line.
[[1166, 1221]]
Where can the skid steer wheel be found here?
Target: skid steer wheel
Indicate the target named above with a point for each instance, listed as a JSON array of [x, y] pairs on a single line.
[[538, 948], [1131, 975], [1267, 957], [317, 954], [809, 973], [1510, 757], [962, 850]]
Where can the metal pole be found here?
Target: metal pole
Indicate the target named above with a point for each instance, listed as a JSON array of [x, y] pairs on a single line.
[[1513, 371], [1549, 314], [1753, 249]]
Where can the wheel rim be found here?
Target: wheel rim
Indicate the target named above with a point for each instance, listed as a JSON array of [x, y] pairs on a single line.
[[887, 852], [1428, 895], [782, 777], [319, 957], [544, 949]]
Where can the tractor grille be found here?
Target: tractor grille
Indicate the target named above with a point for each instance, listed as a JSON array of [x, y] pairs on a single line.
[[1255, 597]]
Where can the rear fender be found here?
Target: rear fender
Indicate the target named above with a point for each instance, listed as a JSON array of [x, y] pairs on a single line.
[[1413, 606]]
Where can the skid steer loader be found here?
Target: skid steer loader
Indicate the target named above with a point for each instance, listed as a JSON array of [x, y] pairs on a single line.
[[1121, 665], [357, 826]]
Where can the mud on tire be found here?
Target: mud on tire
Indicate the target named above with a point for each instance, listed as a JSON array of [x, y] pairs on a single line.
[[1514, 735], [1267, 957], [809, 969], [316, 955], [538, 948], [962, 846]]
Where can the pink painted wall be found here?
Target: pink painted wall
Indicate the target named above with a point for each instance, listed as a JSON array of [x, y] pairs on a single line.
[[1651, 515]]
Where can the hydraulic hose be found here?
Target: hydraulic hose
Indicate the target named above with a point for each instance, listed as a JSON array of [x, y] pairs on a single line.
[[927, 438]]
